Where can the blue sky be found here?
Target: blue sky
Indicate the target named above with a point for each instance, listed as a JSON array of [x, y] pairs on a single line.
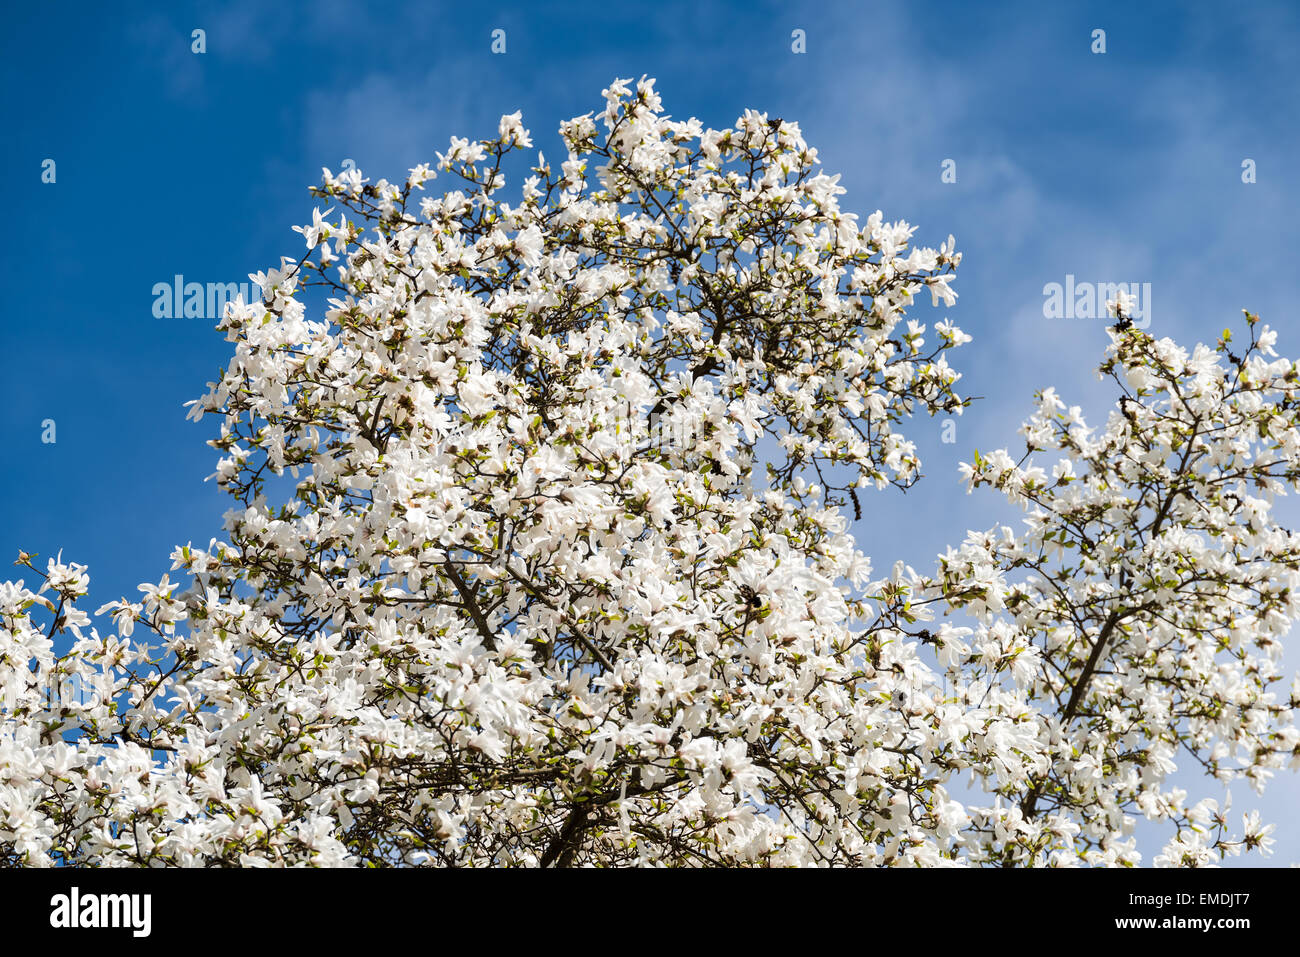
[[1117, 167]]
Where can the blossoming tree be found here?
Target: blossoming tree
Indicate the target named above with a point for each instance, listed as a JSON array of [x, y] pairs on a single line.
[[541, 554]]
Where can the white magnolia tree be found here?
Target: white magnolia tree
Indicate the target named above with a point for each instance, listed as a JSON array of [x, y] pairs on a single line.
[[564, 575]]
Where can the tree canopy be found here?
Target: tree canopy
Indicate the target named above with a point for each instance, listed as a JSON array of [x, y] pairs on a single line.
[[541, 553]]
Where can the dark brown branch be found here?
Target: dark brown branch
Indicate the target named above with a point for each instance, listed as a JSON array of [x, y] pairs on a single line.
[[561, 851], [471, 605]]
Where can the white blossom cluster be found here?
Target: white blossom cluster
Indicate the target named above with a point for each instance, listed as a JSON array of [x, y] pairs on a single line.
[[494, 625], [1139, 617]]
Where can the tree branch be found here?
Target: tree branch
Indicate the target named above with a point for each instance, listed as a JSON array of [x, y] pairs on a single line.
[[471, 605]]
